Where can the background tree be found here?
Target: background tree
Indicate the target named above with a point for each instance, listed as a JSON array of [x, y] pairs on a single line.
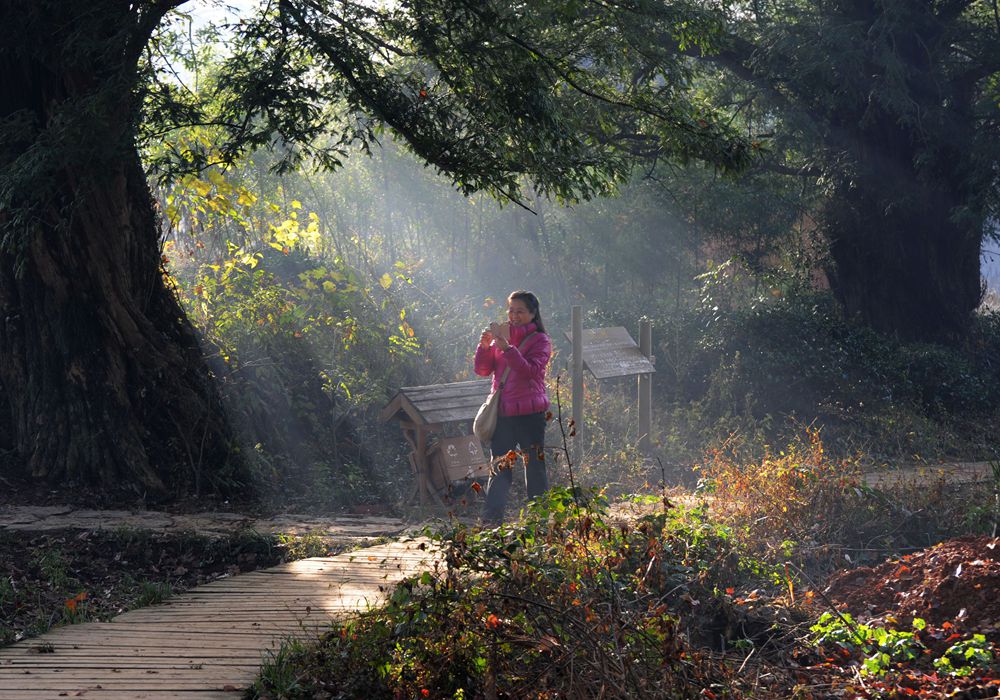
[[893, 109]]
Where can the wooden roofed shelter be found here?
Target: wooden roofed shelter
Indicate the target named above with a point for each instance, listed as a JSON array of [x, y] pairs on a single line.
[[439, 408]]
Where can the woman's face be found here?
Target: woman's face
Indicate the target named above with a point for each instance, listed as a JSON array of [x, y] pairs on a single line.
[[518, 314]]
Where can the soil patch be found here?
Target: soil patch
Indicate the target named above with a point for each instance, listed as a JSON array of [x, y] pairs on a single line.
[[957, 581]]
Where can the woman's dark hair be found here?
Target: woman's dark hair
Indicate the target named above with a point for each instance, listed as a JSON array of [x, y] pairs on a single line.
[[531, 301]]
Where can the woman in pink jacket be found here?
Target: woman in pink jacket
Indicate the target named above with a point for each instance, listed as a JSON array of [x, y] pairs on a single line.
[[523, 401]]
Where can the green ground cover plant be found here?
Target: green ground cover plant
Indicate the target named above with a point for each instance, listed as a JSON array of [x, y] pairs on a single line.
[[652, 598], [883, 650]]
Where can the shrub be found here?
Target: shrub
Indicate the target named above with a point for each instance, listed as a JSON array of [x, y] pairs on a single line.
[[306, 351], [769, 364], [566, 603], [791, 504]]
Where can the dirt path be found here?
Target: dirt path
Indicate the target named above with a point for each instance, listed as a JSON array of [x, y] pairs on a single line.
[[340, 528], [952, 473]]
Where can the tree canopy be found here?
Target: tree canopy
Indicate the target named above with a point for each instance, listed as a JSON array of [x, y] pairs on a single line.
[[893, 110], [890, 111]]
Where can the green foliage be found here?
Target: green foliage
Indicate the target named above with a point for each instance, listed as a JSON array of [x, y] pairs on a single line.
[[748, 360], [566, 601], [484, 92], [279, 673], [727, 365], [965, 657], [882, 649], [985, 517], [303, 546], [53, 568], [305, 342], [152, 593]]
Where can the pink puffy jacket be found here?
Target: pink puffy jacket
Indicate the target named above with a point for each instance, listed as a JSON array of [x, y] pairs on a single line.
[[524, 391]]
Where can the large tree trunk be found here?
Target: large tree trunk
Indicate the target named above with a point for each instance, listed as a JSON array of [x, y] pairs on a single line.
[[905, 221], [102, 372], [902, 263]]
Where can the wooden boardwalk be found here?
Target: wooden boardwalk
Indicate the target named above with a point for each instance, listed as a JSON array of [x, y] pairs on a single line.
[[208, 643]]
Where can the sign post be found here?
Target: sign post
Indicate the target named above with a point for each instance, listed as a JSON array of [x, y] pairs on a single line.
[[611, 352], [645, 385], [577, 382]]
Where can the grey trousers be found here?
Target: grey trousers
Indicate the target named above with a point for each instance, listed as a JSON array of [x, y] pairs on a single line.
[[526, 433]]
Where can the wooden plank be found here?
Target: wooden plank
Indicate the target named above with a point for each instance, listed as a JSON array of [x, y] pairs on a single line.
[[241, 619], [404, 410], [439, 403], [237, 619], [949, 473], [461, 403], [454, 391], [164, 664], [418, 394], [88, 690], [128, 675], [390, 410], [267, 603], [245, 626], [466, 404], [135, 679], [88, 630], [466, 408], [145, 639], [457, 415], [99, 653]]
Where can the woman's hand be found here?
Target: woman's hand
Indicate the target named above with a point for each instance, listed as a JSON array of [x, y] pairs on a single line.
[[501, 330], [486, 338], [501, 334]]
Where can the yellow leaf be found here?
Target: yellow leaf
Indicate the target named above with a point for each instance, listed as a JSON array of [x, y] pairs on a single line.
[[329, 286], [385, 281], [201, 187], [296, 204]]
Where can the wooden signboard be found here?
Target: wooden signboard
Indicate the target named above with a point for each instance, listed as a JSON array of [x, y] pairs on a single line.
[[611, 352], [458, 459], [422, 410]]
